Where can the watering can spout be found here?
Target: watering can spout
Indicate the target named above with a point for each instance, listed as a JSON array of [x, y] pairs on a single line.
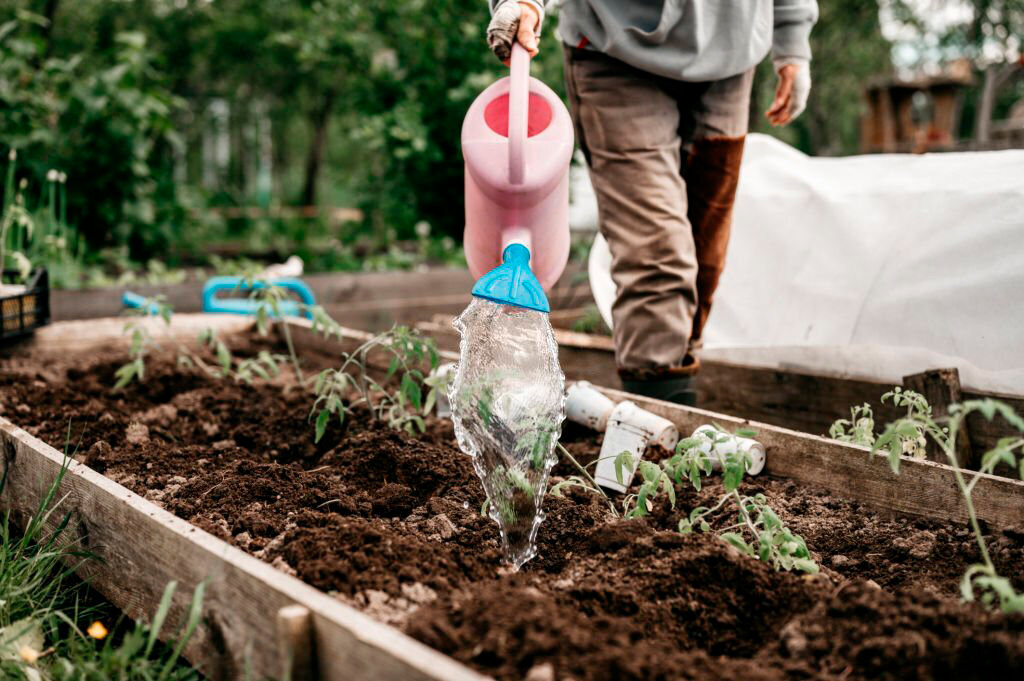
[[513, 282]]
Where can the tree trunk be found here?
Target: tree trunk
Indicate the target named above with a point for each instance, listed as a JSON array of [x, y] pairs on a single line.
[[315, 158], [50, 12], [996, 76]]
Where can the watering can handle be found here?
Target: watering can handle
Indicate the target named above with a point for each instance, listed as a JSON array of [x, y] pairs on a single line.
[[518, 112]]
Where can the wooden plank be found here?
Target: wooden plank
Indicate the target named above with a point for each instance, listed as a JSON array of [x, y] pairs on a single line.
[[941, 387], [790, 399], [139, 548], [580, 364], [922, 488], [296, 643], [798, 400], [108, 332], [397, 290], [588, 341]]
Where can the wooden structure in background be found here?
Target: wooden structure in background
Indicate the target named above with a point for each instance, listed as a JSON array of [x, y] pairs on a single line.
[[362, 300], [891, 123], [941, 387]]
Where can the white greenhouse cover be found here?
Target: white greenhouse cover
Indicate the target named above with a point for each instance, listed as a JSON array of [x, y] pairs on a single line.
[[868, 266]]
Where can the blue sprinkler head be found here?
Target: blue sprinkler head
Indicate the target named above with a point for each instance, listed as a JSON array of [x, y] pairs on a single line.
[[513, 282]]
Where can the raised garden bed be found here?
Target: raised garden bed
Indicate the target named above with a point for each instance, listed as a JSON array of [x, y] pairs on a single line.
[[363, 300], [390, 524], [799, 400]]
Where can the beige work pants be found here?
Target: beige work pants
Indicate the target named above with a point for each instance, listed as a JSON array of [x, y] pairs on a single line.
[[664, 159]]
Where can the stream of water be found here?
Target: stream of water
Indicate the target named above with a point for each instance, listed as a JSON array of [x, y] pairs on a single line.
[[508, 403]]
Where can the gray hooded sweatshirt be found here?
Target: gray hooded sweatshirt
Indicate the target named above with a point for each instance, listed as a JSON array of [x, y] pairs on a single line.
[[690, 40]]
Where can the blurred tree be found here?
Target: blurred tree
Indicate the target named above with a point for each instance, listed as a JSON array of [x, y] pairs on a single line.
[[333, 43], [989, 33], [103, 124]]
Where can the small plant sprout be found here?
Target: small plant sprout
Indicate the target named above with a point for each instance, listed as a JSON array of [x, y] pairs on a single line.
[[980, 581], [585, 480], [758, 532], [142, 339], [858, 430], [402, 408], [269, 299], [264, 365]]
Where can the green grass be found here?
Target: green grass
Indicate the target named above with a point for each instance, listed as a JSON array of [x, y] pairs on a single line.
[[48, 618]]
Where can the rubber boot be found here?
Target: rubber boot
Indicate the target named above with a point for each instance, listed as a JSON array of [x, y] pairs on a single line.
[[677, 388]]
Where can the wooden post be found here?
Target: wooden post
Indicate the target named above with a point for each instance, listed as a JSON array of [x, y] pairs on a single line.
[[941, 387], [296, 644]]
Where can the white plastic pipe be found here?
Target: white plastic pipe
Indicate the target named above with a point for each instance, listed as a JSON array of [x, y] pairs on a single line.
[[587, 406], [631, 429], [724, 444]]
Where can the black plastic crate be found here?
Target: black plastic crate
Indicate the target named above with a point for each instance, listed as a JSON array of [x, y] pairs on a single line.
[[24, 312]]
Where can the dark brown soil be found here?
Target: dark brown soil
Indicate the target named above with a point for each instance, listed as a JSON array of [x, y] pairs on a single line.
[[392, 525]]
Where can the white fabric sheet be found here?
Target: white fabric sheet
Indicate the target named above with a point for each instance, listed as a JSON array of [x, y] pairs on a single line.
[[869, 266]]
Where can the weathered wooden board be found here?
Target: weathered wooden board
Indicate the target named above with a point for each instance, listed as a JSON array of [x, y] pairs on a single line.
[[400, 296], [799, 400], [580, 364], [139, 548], [109, 333], [327, 289], [922, 488]]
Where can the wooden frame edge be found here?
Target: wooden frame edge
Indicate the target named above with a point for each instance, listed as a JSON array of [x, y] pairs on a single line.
[[140, 547]]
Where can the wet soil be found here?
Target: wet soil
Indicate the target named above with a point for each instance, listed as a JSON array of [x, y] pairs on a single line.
[[391, 524]]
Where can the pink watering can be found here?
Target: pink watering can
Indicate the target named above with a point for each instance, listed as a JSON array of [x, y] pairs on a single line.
[[517, 141]]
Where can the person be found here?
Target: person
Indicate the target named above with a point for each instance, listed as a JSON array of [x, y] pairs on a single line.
[[659, 92]]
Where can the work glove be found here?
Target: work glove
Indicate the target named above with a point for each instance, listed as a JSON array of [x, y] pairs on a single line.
[[513, 21], [792, 91]]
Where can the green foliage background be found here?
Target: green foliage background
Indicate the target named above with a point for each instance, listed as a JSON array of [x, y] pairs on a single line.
[[364, 102]]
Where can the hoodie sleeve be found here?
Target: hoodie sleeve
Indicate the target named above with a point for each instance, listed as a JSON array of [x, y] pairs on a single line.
[[791, 40], [537, 5]]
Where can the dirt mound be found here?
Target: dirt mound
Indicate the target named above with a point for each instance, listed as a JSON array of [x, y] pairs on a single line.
[[863, 632]]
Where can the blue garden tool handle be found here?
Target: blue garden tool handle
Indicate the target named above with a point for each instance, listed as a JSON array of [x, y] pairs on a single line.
[[129, 299], [287, 308]]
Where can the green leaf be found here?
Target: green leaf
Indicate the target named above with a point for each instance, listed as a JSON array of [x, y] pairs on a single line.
[[321, 423], [223, 356], [806, 565], [623, 460], [124, 375], [670, 490], [161, 614], [412, 391], [738, 541]]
